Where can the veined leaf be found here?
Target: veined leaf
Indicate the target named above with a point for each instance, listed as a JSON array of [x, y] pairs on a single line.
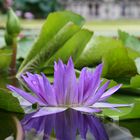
[[50, 48], [118, 65], [73, 47], [57, 29], [130, 41], [95, 50], [55, 21]]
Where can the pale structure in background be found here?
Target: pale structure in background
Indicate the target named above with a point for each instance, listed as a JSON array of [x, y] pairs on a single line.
[[104, 9]]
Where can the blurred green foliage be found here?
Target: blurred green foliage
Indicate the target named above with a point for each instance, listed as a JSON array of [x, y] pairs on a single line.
[[39, 8]]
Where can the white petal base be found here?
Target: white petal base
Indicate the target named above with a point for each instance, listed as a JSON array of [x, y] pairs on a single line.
[[109, 105], [86, 109]]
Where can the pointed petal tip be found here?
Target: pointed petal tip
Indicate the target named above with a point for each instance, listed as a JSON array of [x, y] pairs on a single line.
[[28, 73], [22, 76], [100, 66], [70, 61], [98, 70], [119, 86], [10, 87], [60, 62], [55, 66], [42, 74]]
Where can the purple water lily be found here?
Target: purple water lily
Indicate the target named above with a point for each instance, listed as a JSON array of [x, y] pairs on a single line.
[[85, 94], [67, 125]]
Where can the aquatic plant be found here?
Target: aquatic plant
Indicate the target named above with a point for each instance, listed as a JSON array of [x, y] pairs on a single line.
[[85, 94]]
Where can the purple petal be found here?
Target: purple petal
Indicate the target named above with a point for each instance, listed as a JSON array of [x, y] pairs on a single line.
[[48, 110], [94, 82], [86, 109], [26, 95], [59, 81], [110, 92], [97, 96], [65, 85], [49, 94], [71, 92], [35, 83], [81, 85], [109, 105], [44, 89], [30, 81]]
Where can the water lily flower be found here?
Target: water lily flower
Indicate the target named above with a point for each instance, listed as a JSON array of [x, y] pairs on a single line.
[[67, 125], [85, 94]]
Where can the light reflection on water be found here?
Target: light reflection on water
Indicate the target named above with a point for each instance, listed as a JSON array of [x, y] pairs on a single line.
[[71, 125]]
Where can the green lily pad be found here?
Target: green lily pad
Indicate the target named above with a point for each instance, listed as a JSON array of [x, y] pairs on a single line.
[[125, 112], [8, 102], [95, 50], [131, 42], [118, 65]]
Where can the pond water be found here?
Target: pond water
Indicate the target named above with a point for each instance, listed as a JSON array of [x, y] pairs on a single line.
[[68, 125]]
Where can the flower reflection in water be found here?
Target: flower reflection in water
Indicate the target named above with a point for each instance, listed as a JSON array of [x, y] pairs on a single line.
[[68, 125]]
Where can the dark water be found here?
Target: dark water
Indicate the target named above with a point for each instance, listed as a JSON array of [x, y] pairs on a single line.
[[68, 125]]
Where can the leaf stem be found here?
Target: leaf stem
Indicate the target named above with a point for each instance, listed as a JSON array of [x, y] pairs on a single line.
[[12, 67]]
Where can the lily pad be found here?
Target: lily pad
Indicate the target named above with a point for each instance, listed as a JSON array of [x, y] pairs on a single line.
[[118, 65], [95, 50], [126, 112], [8, 102]]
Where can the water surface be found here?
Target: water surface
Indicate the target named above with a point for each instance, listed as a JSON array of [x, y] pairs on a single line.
[[68, 125]]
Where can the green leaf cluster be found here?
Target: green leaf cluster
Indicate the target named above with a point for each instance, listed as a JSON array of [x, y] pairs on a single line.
[[63, 35]]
